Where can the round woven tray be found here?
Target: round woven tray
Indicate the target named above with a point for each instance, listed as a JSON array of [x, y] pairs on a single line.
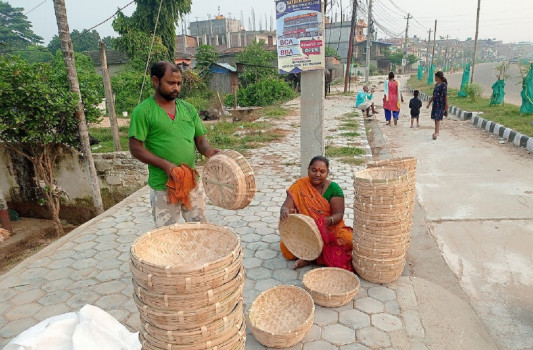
[[331, 286], [185, 248], [217, 329], [373, 215], [175, 283], [378, 276], [281, 316], [384, 176], [377, 264], [229, 180], [249, 176], [188, 300], [301, 236], [407, 163], [235, 342], [383, 237], [188, 318], [390, 252]]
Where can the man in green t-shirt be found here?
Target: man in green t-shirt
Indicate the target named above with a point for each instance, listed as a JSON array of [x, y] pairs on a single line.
[[164, 133]]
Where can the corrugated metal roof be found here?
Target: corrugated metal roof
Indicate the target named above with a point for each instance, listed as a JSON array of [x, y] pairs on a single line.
[[227, 66]]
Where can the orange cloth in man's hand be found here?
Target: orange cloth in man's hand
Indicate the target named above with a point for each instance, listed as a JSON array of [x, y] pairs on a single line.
[[181, 182]]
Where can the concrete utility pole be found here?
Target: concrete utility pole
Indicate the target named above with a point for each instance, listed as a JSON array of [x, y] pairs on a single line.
[[405, 44], [475, 42], [312, 115], [350, 47], [110, 102], [434, 40], [427, 52], [368, 40]]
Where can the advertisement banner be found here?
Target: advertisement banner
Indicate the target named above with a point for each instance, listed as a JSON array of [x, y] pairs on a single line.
[[300, 35]]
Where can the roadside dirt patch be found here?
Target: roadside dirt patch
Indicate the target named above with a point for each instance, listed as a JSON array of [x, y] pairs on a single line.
[[30, 235]]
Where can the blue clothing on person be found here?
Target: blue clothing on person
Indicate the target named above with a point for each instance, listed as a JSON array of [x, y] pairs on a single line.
[[362, 97]]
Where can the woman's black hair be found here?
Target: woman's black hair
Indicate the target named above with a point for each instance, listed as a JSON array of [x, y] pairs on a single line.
[[440, 75], [159, 69], [391, 75], [319, 158]]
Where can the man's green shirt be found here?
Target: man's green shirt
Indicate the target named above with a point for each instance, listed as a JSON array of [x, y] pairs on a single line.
[[169, 139]]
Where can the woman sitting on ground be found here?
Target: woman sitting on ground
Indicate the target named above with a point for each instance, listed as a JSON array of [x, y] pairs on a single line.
[[322, 200]]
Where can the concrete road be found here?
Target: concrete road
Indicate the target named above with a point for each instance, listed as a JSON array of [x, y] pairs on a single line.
[[485, 75], [477, 196]]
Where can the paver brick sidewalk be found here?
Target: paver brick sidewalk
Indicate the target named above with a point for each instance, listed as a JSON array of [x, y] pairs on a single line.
[[90, 264]]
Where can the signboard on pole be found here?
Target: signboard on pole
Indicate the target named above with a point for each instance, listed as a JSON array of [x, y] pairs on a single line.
[[300, 35]]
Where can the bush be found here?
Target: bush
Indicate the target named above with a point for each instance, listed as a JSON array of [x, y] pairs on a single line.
[[474, 91], [265, 92], [127, 87], [229, 100], [373, 69], [199, 102]]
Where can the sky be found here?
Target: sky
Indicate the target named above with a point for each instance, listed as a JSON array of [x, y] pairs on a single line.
[[507, 21]]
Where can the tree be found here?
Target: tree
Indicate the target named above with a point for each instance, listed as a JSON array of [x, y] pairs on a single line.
[[15, 29], [134, 43], [36, 117], [331, 52], [205, 56], [258, 62], [146, 14], [411, 59], [82, 41], [34, 53], [394, 57], [68, 57]]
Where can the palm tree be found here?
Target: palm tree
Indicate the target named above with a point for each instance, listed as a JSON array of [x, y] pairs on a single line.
[[68, 57]]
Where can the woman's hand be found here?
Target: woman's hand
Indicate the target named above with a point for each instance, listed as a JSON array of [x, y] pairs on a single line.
[[284, 213]]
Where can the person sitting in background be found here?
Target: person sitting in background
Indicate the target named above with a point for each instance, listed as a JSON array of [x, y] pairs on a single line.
[[363, 101], [323, 201]]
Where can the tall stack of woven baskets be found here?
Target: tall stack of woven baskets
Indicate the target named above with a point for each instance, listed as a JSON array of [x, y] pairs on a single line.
[[188, 286], [383, 209]]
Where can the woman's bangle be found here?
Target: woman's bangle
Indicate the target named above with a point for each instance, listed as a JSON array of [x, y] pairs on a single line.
[[331, 218]]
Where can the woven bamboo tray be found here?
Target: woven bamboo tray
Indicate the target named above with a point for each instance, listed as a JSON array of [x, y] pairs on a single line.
[[188, 300], [394, 251], [235, 342], [229, 180], [188, 318], [207, 332], [379, 199], [331, 286], [378, 276], [281, 316], [249, 176], [175, 284], [407, 163], [378, 264], [384, 176], [184, 248], [301, 236], [217, 329], [381, 208], [380, 242], [373, 215]]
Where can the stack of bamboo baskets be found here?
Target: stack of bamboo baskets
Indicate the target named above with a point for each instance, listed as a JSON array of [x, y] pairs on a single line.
[[383, 209], [188, 285]]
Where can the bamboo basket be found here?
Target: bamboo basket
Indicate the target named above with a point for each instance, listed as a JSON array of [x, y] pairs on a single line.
[[217, 329], [406, 163], [190, 300], [185, 248], [301, 236], [391, 252], [377, 264], [381, 277], [175, 284], [331, 286], [249, 176], [229, 180], [383, 217], [387, 231], [188, 318], [235, 342], [281, 316]]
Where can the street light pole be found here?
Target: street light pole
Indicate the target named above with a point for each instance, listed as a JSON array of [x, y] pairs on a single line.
[[475, 42]]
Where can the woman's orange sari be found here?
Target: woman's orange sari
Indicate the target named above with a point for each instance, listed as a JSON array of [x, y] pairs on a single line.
[[337, 251]]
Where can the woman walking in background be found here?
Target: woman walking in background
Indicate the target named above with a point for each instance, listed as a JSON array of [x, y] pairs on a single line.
[[439, 100], [391, 103]]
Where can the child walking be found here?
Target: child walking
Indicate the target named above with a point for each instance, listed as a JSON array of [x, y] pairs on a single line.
[[415, 104]]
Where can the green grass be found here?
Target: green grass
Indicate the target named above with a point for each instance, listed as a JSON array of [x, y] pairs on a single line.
[[106, 144], [350, 134], [507, 115], [336, 152], [274, 112], [353, 161]]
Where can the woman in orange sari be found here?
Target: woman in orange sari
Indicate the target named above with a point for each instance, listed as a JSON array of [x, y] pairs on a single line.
[[322, 200]]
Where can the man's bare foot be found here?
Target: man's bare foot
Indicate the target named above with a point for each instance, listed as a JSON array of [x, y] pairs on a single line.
[[388, 123], [301, 263]]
